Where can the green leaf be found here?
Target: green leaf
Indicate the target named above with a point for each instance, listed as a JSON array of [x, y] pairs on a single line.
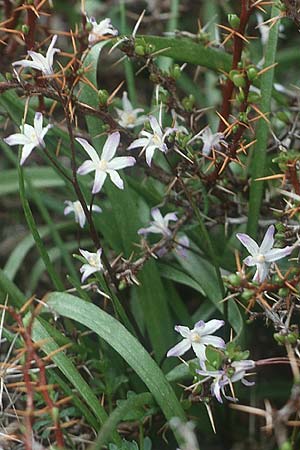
[[69, 370], [55, 278], [259, 156], [153, 298], [133, 402], [40, 177], [187, 50], [117, 336], [17, 256]]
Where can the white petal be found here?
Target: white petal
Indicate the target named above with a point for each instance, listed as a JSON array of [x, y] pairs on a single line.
[[156, 214], [80, 218], [141, 142], [110, 146], [199, 350], [210, 327], [121, 162], [215, 341], [89, 149], [250, 261], [170, 216], [38, 123], [261, 272], [127, 106], [268, 240], [86, 271], [68, 209], [180, 348], [26, 63], [278, 253], [184, 331], [17, 139], [155, 125], [249, 243], [116, 179], [86, 167], [96, 208], [51, 52], [45, 131], [85, 253], [151, 229], [100, 177], [26, 150], [149, 154]]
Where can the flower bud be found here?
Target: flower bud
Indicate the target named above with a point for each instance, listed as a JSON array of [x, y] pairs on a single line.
[[253, 97], [292, 338], [175, 71], [233, 20], [25, 28], [283, 292], [281, 339], [247, 295], [252, 73], [239, 80], [234, 279], [103, 97], [240, 96], [188, 102], [139, 50], [88, 26], [150, 48]]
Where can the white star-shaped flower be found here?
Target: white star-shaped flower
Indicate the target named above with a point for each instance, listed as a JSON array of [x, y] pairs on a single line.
[[93, 264], [152, 141], [198, 338], [262, 256], [159, 224], [128, 116], [40, 62], [30, 136], [210, 140], [221, 379], [77, 209], [107, 164], [100, 29]]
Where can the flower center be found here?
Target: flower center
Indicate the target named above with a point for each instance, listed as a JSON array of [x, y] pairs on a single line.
[[130, 119], [93, 261], [77, 207], [103, 165], [260, 259], [33, 137], [195, 337], [156, 139]]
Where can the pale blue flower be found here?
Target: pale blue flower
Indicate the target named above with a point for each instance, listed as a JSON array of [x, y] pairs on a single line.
[[103, 28], [40, 62], [198, 338], [93, 263], [262, 256], [107, 164], [30, 136], [160, 223], [77, 209], [221, 378]]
